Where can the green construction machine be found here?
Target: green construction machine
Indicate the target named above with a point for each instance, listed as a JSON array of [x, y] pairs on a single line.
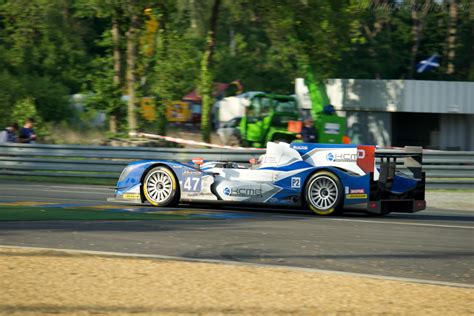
[[274, 117], [266, 119], [331, 127], [269, 116]]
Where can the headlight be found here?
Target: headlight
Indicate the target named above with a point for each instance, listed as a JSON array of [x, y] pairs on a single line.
[[125, 173]]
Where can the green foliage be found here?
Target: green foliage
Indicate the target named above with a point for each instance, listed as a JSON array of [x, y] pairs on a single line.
[[25, 109], [176, 67], [42, 56], [161, 121], [105, 95], [52, 49], [205, 90]]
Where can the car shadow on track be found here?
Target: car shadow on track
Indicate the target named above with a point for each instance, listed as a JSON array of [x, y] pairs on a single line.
[[422, 216]]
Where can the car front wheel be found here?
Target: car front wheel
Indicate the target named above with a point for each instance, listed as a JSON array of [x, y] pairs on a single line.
[[160, 187]]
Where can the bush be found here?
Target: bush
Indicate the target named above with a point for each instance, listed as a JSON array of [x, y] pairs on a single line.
[[26, 108]]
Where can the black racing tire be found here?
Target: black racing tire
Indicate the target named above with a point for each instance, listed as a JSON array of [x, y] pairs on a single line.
[[160, 187], [323, 194]]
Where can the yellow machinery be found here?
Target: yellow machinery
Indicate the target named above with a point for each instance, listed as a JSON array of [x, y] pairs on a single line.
[[178, 111]]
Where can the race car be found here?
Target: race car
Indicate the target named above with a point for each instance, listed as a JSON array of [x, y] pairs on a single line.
[[325, 178]]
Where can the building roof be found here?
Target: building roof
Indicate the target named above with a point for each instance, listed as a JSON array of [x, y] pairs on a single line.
[[422, 96]]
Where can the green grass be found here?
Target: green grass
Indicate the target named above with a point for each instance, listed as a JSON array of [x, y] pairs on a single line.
[[71, 180], [27, 213]]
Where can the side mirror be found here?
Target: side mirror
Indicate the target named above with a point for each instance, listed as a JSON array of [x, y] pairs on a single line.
[[198, 161]]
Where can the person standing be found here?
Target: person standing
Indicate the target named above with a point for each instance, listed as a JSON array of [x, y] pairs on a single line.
[[8, 135], [309, 134], [27, 133]]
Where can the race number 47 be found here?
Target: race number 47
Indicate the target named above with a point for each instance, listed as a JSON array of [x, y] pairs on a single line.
[[192, 184]]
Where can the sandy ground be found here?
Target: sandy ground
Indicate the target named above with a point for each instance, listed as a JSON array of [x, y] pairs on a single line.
[[52, 282]]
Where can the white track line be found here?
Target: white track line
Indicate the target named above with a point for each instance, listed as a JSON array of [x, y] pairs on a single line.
[[236, 263], [397, 223]]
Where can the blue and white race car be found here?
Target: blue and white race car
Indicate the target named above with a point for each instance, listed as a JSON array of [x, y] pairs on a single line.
[[325, 178]]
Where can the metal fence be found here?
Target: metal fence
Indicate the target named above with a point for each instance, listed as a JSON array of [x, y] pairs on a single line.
[[445, 170]]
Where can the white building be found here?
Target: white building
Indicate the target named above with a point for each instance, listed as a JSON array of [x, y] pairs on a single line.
[[432, 114]]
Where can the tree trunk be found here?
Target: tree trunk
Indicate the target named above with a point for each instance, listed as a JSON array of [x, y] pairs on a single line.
[[131, 72], [232, 42], [193, 16], [417, 31], [117, 79], [206, 78], [453, 18]]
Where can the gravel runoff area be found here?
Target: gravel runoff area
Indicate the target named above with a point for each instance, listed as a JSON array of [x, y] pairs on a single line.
[[38, 282], [454, 200]]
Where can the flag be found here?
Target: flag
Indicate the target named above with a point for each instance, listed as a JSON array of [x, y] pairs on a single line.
[[428, 64]]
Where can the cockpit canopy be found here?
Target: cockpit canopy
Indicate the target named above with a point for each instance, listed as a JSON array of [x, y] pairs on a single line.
[[278, 155]]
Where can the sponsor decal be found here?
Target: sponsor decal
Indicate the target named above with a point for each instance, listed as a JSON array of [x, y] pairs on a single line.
[[191, 172], [131, 196], [295, 182], [356, 196], [342, 157], [191, 194], [346, 190], [300, 147], [243, 192], [357, 191], [330, 157]]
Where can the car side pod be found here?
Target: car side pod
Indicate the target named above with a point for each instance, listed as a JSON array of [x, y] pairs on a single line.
[[395, 191]]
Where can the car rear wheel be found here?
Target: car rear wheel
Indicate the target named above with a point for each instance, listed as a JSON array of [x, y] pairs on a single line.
[[323, 193], [160, 187]]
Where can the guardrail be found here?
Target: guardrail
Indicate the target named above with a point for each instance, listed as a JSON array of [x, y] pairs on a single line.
[[445, 170]]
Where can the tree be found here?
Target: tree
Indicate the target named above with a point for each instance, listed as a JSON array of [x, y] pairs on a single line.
[[453, 17], [418, 20], [132, 39], [42, 55], [206, 78], [107, 88]]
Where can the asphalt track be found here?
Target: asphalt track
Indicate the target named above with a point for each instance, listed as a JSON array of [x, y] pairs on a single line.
[[435, 244]]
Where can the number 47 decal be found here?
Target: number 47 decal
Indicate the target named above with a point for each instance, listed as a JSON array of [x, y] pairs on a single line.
[[192, 184]]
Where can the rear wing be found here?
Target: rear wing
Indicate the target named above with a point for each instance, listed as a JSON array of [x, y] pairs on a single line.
[[383, 198], [412, 160]]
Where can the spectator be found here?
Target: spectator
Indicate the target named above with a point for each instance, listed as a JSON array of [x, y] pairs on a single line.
[[8, 135], [27, 133], [309, 134]]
